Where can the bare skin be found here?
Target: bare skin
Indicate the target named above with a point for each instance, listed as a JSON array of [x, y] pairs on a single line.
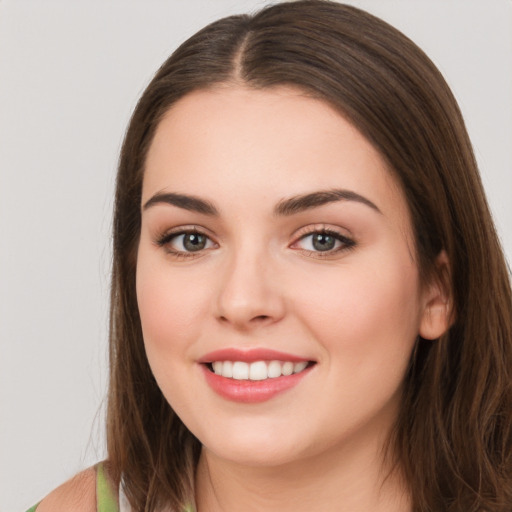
[[77, 494], [356, 485]]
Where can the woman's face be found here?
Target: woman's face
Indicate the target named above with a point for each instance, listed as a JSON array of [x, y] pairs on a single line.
[[274, 240]]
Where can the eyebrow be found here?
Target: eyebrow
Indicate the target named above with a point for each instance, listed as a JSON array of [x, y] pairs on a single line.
[[315, 199], [285, 207], [192, 203]]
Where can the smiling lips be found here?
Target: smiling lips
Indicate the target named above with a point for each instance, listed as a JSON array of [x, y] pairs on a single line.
[[259, 370], [253, 376]]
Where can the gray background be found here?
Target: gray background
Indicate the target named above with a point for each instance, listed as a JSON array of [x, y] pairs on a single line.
[[70, 74]]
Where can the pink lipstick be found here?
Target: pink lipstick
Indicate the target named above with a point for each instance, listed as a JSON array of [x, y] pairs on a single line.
[[255, 375]]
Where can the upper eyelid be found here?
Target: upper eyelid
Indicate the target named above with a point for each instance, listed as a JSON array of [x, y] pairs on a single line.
[[322, 228], [180, 230], [341, 237]]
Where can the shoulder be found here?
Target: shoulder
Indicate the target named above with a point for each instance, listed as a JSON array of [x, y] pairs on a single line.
[[77, 494]]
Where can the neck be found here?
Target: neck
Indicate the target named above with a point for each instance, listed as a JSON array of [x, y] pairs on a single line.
[[347, 478]]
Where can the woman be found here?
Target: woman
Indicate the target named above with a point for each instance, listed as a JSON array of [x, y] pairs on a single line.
[[310, 306]]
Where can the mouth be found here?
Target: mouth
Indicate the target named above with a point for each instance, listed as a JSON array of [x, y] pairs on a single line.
[[255, 375], [257, 370]]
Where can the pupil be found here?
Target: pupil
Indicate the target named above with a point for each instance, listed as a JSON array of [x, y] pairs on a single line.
[[322, 242], [194, 242]]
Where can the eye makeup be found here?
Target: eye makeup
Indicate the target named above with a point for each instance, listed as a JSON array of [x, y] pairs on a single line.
[[317, 241]]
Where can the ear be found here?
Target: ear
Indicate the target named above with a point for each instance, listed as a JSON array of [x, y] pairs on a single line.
[[437, 314]]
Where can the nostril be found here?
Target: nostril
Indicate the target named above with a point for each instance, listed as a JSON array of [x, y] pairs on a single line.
[[248, 322], [261, 318]]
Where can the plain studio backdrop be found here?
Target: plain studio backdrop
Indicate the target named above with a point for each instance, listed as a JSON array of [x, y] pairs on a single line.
[[70, 75]]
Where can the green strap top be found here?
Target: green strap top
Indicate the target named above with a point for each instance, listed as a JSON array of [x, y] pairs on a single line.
[[105, 497]]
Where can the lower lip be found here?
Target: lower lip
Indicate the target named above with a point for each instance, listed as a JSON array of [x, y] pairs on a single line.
[[251, 391]]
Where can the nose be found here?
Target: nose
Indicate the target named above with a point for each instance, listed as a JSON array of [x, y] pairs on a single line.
[[249, 293]]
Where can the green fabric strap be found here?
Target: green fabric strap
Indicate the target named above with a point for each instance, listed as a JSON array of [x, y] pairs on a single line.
[[107, 502], [105, 497]]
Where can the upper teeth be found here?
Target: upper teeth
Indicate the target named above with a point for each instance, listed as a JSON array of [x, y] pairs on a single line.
[[259, 370]]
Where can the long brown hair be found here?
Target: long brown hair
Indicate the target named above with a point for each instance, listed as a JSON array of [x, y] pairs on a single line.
[[452, 439]]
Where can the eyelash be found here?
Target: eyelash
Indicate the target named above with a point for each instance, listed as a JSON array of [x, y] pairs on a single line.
[[165, 240], [347, 244]]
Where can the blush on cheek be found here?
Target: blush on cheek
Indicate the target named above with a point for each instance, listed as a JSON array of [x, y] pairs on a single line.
[[158, 325], [169, 309], [366, 312]]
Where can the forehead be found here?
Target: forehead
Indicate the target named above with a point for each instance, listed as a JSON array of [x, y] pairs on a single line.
[[233, 141]]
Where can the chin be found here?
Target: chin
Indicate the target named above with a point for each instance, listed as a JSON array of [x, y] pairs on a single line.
[[256, 448], [254, 456]]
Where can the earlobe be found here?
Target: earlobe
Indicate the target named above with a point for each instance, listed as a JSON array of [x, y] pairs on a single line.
[[437, 314]]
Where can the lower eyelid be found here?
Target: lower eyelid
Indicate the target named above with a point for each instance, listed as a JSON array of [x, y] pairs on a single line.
[[337, 244], [174, 236]]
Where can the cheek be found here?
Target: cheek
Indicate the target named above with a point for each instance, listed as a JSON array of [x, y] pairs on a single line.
[[169, 306], [366, 313]]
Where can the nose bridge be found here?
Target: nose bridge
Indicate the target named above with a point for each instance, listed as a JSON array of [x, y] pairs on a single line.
[[249, 293]]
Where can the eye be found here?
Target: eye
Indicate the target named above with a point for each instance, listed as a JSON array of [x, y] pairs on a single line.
[[324, 242], [185, 243]]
